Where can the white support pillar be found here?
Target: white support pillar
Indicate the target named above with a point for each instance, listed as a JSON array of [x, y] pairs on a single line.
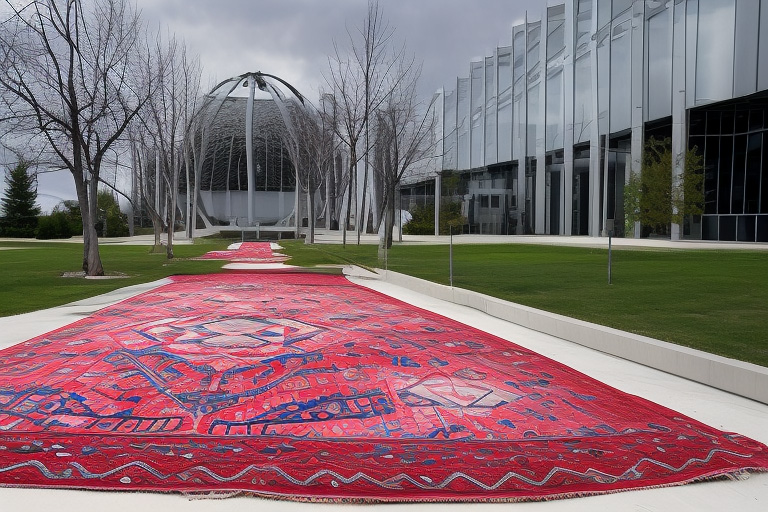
[[249, 148], [157, 180], [566, 181], [595, 137], [639, 92], [541, 155], [438, 189], [679, 132]]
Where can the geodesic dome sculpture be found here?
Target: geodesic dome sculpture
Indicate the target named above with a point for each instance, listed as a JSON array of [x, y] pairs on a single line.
[[243, 173]]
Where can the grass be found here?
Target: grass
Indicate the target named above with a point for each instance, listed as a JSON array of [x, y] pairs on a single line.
[[716, 301], [31, 271]]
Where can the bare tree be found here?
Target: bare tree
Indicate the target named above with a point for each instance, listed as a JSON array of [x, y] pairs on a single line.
[[167, 118], [310, 142], [404, 137], [70, 71], [361, 82]]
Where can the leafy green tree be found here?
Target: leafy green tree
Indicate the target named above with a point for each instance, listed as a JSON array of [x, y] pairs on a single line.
[[632, 190], [19, 208], [657, 200], [71, 210], [656, 185], [688, 190], [111, 221], [63, 222], [423, 219]]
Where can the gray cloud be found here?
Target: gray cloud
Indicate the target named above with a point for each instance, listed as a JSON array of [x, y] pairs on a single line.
[[293, 38]]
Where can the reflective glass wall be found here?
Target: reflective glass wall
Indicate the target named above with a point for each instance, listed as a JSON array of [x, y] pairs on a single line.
[[568, 102]]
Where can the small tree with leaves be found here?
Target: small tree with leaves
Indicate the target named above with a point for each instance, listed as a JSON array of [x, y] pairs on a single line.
[[19, 205], [657, 199]]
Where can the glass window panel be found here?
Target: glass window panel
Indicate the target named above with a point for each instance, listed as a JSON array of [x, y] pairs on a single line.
[[490, 111], [762, 62], [728, 228], [739, 166], [603, 82], [583, 24], [555, 30], [582, 104], [742, 121], [555, 133], [714, 56], [534, 40], [477, 114], [745, 56], [745, 229], [752, 184], [603, 12], [713, 123], [462, 122], [691, 29], [762, 228], [660, 65], [726, 122], [495, 201], [519, 114], [504, 122], [764, 176], [755, 120], [711, 163], [533, 118], [725, 174], [619, 6], [449, 131], [697, 123], [535, 115], [709, 227], [621, 77]]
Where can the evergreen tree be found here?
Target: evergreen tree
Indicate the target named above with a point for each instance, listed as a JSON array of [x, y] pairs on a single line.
[[18, 208]]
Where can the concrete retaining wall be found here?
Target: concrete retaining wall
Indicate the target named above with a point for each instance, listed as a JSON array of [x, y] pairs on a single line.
[[745, 379]]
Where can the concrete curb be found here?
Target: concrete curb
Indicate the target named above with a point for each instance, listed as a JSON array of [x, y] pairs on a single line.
[[744, 379]]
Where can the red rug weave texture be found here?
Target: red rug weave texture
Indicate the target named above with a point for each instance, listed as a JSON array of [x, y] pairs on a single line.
[[248, 252], [309, 387]]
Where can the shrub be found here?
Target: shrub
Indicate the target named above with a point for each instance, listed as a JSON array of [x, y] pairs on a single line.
[[423, 221], [55, 225]]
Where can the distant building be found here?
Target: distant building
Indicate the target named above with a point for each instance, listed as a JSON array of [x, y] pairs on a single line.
[[545, 131], [223, 188]]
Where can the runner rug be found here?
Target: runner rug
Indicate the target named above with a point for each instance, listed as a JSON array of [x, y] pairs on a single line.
[[248, 252], [306, 386]]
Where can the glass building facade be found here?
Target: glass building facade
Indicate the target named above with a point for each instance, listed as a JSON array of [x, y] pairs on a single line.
[[547, 130]]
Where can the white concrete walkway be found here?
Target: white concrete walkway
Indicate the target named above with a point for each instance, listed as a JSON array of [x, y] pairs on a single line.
[[717, 408]]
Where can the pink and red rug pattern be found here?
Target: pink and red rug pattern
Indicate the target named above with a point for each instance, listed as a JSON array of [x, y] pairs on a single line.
[[248, 252], [310, 387]]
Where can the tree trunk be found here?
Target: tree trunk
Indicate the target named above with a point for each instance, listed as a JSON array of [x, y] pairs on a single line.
[[188, 206], [391, 212], [360, 223], [310, 239], [171, 203], [91, 258]]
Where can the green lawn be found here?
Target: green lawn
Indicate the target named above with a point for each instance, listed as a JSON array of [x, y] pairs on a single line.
[[30, 272], [715, 301]]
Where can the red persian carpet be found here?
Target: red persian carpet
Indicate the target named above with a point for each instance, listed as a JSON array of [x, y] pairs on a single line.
[[248, 252], [307, 386]]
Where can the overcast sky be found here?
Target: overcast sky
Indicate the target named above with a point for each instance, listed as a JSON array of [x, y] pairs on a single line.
[[293, 39]]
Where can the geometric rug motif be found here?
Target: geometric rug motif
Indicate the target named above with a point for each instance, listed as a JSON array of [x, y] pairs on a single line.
[[247, 252], [307, 386]]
